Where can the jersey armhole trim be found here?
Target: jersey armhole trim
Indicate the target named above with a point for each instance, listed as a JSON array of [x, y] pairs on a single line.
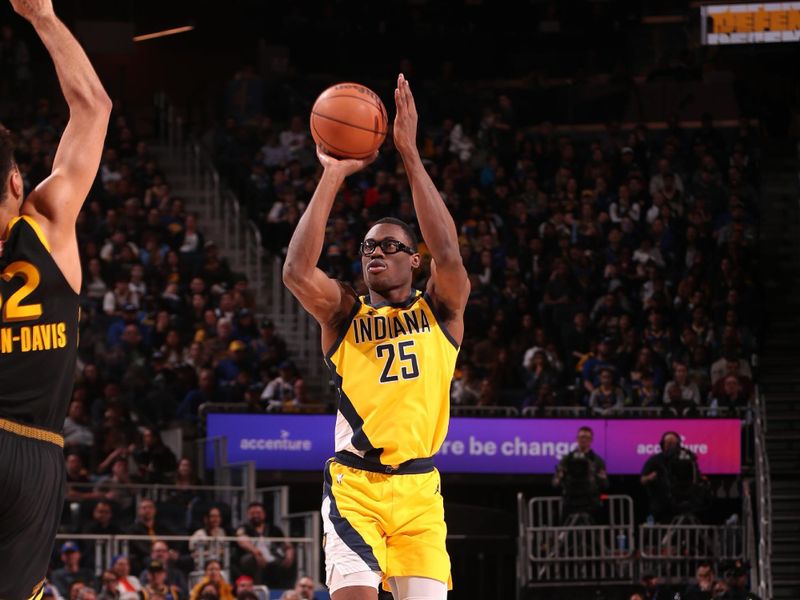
[[427, 297], [343, 330], [37, 229]]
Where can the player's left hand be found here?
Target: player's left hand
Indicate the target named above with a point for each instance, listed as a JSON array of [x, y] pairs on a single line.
[[33, 10], [405, 122]]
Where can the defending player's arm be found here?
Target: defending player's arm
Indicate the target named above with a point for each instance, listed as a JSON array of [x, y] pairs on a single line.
[[325, 298], [448, 285], [56, 202]]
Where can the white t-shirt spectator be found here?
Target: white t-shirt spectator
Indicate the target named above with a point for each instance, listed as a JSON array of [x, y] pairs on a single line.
[[129, 588], [75, 433], [204, 543], [689, 392]]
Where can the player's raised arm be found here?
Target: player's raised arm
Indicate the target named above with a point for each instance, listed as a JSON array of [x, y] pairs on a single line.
[[56, 202], [449, 284], [325, 298]]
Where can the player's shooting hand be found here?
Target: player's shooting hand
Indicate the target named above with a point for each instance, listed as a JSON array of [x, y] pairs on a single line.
[[33, 10], [405, 122], [343, 166]]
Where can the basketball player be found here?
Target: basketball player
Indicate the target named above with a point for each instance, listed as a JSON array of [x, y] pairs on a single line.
[[392, 354], [40, 276]]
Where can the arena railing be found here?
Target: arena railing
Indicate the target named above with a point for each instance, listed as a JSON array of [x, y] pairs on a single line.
[[202, 550], [674, 551], [484, 411], [239, 238], [285, 308], [234, 496], [647, 412], [563, 549], [219, 450], [764, 499], [522, 566], [750, 543]]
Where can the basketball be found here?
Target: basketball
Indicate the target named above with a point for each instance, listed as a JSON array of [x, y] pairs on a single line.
[[349, 121]]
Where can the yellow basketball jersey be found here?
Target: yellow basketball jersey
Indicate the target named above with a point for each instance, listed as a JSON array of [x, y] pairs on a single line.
[[392, 365]]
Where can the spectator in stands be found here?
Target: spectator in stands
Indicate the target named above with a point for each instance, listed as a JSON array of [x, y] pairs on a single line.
[[77, 474], [294, 138], [102, 523], [466, 386], [305, 588], [109, 586], [581, 476], [72, 571], [290, 595], [186, 476], [680, 393], [724, 366], [161, 553], [202, 544], [607, 398], [266, 562], [128, 585], [646, 362], [230, 366], [86, 593], [284, 391], [733, 369], [117, 300], [76, 430], [538, 374], [735, 583], [269, 345], [117, 487], [644, 393], [146, 524], [155, 460], [206, 392], [243, 584], [652, 588], [702, 587], [590, 372], [157, 583], [212, 577], [730, 394]]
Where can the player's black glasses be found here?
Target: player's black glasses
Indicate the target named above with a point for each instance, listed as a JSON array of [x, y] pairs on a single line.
[[388, 245]]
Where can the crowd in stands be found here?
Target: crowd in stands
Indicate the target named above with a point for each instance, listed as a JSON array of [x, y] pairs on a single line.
[[608, 270]]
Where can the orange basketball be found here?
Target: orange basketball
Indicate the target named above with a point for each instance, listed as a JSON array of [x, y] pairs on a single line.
[[349, 121]]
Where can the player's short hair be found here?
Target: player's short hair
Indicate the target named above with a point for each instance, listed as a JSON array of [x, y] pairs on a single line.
[[6, 159], [407, 229]]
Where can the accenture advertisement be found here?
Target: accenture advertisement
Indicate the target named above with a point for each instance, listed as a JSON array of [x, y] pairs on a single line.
[[510, 446]]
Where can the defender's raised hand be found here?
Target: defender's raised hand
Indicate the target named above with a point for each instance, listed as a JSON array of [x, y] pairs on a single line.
[[33, 10], [405, 122]]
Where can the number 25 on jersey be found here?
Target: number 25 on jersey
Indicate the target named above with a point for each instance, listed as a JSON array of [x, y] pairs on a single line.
[[404, 353]]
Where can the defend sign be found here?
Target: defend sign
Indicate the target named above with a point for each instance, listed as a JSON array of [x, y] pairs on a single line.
[[750, 23], [521, 446]]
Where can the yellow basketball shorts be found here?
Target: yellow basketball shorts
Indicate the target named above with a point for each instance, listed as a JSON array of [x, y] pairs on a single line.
[[388, 523]]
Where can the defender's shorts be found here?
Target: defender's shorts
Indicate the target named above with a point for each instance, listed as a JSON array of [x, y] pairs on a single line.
[[32, 485], [393, 524]]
